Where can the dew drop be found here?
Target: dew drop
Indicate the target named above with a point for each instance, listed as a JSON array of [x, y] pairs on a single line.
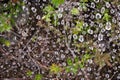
[[100, 37], [38, 17], [33, 9], [107, 4], [90, 31], [98, 16], [75, 36], [102, 9], [92, 5], [81, 38], [108, 26], [60, 15]]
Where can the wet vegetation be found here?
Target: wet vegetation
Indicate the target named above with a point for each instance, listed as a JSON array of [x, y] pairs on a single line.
[[59, 39]]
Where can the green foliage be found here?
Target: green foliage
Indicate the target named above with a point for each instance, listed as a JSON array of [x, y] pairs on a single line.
[[85, 57], [83, 1], [48, 9], [47, 17], [7, 19], [5, 42], [29, 73], [55, 69], [5, 24], [75, 11], [78, 28], [106, 17], [50, 15], [55, 19], [69, 62], [56, 3], [38, 77], [74, 65], [83, 4]]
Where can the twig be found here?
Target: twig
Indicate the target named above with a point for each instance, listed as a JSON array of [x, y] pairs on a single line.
[[68, 46], [30, 39], [112, 76], [15, 34]]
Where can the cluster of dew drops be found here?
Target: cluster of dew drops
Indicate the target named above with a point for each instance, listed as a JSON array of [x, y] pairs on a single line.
[[103, 35]]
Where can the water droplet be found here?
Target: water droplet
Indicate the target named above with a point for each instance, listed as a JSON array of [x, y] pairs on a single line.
[[89, 69], [103, 30], [107, 4], [100, 37], [102, 9], [100, 25], [108, 26], [85, 24], [92, 5], [112, 11], [38, 17], [81, 38], [33, 9], [92, 16], [75, 36], [114, 20], [62, 56], [64, 64], [90, 31], [62, 22], [98, 16], [60, 9], [60, 15], [5, 5], [80, 8], [90, 61]]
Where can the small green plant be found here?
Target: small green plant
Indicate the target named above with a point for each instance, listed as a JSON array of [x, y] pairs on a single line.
[[5, 24], [55, 69], [83, 4], [56, 3], [106, 17], [7, 19], [49, 9], [5, 42], [29, 73], [75, 11], [78, 28], [38, 77], [50, 15], [74, 65], [7, 15], [85, 58]]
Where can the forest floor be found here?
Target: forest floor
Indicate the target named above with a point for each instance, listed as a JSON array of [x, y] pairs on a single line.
[[46, 48]]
